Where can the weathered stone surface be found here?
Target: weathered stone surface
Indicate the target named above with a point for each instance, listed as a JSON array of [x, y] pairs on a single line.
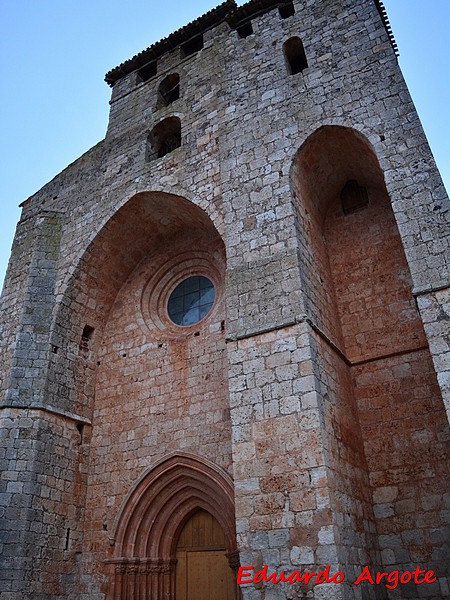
[[310, 402]]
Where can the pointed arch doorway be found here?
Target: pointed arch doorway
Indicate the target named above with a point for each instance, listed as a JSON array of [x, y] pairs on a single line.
[[202, 568], [174, 538]]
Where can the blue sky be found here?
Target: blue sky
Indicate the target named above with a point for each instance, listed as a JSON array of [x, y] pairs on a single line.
[[55, 54]]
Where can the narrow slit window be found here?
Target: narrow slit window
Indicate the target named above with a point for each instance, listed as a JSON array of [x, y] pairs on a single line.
[[286, 10], [164, 138], [169, 90], [295, 56], [245, 30], [80, 429], [148, 71], [353, 197], [86, 338], [67, 543], [192, 46]]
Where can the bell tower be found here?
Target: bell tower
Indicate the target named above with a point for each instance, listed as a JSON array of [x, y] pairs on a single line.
[[225, 327]]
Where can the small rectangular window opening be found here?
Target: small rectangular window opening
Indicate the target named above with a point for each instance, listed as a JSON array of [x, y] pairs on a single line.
[[86, 337], [80, 429], [245, 30], [192, 46], [353, 197], [148, 71], [286, 10], [66, 546]]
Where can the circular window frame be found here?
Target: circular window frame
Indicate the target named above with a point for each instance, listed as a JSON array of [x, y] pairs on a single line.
[[157, 291], [169, 295]]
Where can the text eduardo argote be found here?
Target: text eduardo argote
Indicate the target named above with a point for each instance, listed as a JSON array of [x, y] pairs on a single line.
[[390, 579]]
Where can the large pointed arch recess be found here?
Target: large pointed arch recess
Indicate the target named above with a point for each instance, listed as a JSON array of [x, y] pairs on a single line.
[[382, 408], [149, 524]]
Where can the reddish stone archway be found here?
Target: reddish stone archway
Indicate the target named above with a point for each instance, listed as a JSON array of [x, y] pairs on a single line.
[[153, 515]]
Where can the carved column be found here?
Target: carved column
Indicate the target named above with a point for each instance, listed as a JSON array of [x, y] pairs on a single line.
[[235, 562], [143, 579]]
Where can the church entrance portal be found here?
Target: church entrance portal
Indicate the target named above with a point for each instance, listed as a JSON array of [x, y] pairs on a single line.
[[175, 536], [202, 569]]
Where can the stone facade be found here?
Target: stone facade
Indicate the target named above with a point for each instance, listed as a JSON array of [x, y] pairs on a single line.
[[307, 411]]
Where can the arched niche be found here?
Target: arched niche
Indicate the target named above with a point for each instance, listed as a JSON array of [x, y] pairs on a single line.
[[383, 412], [134, 376], [352, 252], [147, 224], [148, 528]]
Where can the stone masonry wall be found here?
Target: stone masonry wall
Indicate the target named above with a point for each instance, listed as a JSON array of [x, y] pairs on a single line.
[[44, 476], [119, 215], [13, 295], [351, 501], [406, 436]]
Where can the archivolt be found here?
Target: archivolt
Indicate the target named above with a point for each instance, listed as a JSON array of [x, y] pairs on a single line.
[[163, 500], [149, 524]]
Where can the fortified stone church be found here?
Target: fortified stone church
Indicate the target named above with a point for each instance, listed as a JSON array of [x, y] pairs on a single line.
[[225, 333]]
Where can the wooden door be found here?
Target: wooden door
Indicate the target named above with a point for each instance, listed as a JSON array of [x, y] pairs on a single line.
[[203, 572]]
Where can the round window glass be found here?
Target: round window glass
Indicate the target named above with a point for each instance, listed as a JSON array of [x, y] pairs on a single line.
[[191, 300]]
